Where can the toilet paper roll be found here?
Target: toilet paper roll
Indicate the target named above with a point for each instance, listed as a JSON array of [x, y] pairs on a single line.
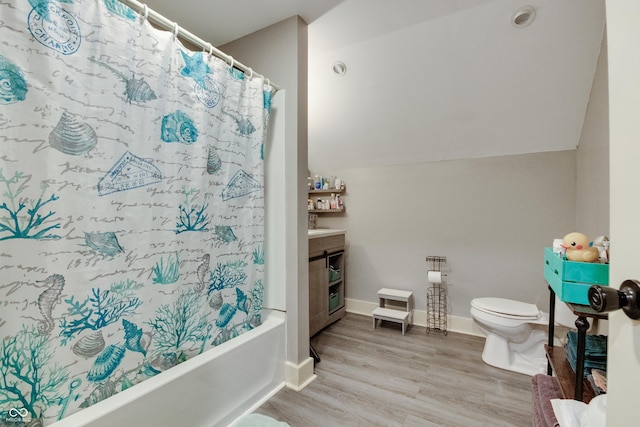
[[434, 277]]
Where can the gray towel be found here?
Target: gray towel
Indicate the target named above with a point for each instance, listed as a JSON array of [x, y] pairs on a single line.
[[544, 388]]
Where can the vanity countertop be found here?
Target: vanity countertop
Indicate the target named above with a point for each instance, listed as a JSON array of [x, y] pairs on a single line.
[[325, 232]]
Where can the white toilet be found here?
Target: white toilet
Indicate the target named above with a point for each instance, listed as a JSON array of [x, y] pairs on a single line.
[[516, 333]]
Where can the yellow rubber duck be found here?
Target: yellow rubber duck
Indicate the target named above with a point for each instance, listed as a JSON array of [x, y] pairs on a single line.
[[577, 246]]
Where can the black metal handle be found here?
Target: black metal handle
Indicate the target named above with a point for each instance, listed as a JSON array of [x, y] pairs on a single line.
[[603, 298]]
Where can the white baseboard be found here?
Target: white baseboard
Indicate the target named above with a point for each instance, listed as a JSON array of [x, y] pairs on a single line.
[[297, 377], [463, 325]]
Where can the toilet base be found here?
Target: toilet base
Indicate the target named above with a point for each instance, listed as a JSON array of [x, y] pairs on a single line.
[[526, 358]]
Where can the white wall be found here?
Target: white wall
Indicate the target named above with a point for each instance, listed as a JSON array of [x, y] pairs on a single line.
[[592, 184], [623, 366], [280, 53], [490, 217], [592, 206]]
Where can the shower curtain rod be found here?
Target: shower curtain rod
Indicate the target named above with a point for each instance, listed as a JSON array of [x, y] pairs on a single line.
[[169, 25]]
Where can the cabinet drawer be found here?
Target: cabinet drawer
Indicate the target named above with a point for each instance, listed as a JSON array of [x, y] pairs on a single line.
[[571, 280], [330, 244]]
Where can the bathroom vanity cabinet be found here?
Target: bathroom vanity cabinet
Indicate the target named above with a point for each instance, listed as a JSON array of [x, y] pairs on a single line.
[[326, 278]]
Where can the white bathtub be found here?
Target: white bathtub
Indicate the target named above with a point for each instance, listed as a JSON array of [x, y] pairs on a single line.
[[211, 389]]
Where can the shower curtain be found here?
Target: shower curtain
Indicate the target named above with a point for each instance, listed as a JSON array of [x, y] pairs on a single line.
[[131, 204]]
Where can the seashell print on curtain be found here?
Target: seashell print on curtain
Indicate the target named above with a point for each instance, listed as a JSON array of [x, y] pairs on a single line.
[[131, 204]]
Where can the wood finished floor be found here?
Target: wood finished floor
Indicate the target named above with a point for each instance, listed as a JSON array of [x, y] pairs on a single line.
[[380, 378]]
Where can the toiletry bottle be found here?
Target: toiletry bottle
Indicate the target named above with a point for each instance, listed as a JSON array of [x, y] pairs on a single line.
[[319, 204], [338, 202], [317, 183], [332, 202]]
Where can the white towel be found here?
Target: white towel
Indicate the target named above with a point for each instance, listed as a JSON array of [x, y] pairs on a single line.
[[573, 413]]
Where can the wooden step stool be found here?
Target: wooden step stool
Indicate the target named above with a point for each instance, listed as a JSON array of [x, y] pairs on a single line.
[[393, 315]]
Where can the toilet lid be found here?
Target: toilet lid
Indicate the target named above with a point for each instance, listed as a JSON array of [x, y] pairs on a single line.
[[506, 307]]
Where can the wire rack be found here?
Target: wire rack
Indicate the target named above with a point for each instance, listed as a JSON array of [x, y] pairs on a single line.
[[436, 299]]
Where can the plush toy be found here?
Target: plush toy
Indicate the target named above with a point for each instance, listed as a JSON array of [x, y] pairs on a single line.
[[577, 246]]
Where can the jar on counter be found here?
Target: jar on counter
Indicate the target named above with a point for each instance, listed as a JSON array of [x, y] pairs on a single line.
[[313, 221]]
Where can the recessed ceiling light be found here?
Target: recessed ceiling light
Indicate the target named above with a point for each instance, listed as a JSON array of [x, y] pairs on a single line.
[[339, 68], [523, 17]]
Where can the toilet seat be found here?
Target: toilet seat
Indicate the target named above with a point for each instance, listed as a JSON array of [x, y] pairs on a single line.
[[510, 309]]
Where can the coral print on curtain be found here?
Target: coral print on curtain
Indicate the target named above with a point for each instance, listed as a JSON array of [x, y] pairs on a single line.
[[131, 204]]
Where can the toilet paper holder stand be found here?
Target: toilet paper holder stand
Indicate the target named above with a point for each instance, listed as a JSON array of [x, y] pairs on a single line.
[[436, 297]]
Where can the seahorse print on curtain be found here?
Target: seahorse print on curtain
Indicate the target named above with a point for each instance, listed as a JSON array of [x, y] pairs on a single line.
[[131, 204]]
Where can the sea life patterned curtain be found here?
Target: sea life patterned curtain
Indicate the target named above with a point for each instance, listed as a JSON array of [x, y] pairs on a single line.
[[131, 204]]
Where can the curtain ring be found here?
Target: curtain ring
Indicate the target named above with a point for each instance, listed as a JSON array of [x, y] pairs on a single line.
[[250, 73], [145, 13], [175, 30], [232, 62], [210, 47], [268, 82]]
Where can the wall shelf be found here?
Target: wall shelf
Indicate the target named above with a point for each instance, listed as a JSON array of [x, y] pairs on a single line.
[[566, 377], [326, 210], [329, 191]]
